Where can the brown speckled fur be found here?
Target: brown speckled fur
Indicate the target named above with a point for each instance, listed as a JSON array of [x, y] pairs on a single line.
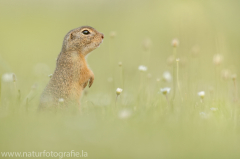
[[72, 74]]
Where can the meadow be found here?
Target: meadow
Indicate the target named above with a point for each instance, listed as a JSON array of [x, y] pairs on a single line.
[[176, 64]]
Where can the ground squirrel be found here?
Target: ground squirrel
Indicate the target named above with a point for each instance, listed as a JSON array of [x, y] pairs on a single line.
[[72, 74]]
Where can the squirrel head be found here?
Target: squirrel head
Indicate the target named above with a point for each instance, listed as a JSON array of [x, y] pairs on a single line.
[[83, 39]]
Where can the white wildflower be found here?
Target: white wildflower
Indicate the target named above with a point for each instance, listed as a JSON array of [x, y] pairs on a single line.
[[142, 68], [170, 60], [201, 94], [175, 42], [124, 114], [50, 76], [167, 76], [165, 90], [234, 76], [120, 64], [226, 74], [217, 59], [8, 77], [113, 34], [119, 91]]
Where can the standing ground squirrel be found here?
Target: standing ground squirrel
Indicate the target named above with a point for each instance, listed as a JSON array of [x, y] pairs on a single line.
[[72, 74]]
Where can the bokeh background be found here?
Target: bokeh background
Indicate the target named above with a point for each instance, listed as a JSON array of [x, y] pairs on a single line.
[[137, 32]]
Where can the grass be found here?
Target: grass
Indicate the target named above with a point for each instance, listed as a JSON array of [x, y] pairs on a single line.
[[141, 123]]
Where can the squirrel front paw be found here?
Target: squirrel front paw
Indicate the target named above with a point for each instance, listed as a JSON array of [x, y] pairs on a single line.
[[91, 81]]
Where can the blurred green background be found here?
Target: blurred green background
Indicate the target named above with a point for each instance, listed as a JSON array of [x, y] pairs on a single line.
[[31, 35]]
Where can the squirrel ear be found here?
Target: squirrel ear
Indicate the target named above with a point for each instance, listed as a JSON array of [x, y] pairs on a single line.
[[71, 36]]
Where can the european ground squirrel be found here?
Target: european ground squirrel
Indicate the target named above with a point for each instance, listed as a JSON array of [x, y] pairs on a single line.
[[72, 74]]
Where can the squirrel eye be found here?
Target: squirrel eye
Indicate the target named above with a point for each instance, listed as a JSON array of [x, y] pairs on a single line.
[[86, 32]]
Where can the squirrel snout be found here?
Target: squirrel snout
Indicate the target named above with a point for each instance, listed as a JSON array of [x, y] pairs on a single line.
[[102, 36]]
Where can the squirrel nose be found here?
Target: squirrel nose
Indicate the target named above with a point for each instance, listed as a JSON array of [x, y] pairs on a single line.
[[102, 36]]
